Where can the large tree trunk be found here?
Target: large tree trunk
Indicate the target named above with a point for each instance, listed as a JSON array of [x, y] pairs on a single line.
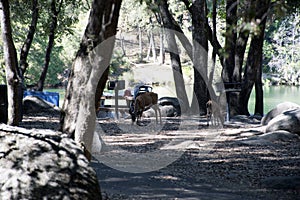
[[230, 40], [90, 67], [254, 62], [177, 70], [242, 40], [235, 47], [214, 32], [259, 93], [53, 26], [14, 91], [29, 38], [230, 47], [162, 56], [174, 54], [200, 55]]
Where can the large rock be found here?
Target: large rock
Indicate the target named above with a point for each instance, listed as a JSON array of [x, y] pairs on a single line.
[[171, 101], [33, 104], [279, 109], [166, 111], [272, 138], [288, 121], [39, 164]]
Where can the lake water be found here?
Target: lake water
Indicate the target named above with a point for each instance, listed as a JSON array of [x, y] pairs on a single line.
[[273, 95]]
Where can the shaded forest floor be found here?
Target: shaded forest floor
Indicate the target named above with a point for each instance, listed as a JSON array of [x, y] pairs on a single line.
[[213, 163]]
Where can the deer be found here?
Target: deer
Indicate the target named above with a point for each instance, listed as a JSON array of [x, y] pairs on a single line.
[[214, 113], [142, 102]]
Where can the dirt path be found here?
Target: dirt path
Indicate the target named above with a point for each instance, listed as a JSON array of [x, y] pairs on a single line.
[[229, 165]]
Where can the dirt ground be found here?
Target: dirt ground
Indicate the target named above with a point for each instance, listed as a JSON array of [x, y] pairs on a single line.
[[185, 159]]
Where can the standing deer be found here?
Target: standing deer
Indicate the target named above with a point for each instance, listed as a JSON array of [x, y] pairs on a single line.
[[144, 101], [214, 113]]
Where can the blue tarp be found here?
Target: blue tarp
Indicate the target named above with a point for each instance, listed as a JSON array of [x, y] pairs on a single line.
[[52, 97]]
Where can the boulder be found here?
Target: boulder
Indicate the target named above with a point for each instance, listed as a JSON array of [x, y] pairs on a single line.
[[34, 104], [166, 111], [279, 109], [288, 121], [171, 101], [43, 164], [271, 138], [281, 135]]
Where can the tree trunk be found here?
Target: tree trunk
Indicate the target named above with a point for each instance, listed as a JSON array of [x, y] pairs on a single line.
[[200, 56], [122, 44], [230, 40], [242, 39], [170, 24], [259, 94], [177, 70], [140, 45], [90, 68], [151, 47], [174, 54], [214, 52], [254, 63], [53, 26], [29, 38], [14, 82], [162, 47]]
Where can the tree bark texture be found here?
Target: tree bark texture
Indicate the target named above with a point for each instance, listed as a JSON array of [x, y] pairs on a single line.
[[200, 55], [14, 82], [89, 72]]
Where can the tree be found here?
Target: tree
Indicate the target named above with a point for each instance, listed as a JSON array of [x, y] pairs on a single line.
[[198, 11], [29, 38], [90, 72], [242, 19], [53, 26], [200, 53], [14, 89], [48, 23], [282, 43], [168, 24], [136, 17]]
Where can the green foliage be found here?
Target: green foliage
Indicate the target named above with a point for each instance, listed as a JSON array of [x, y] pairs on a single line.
[[119, 64], [282, 45], [66, 41], [134, 14]]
